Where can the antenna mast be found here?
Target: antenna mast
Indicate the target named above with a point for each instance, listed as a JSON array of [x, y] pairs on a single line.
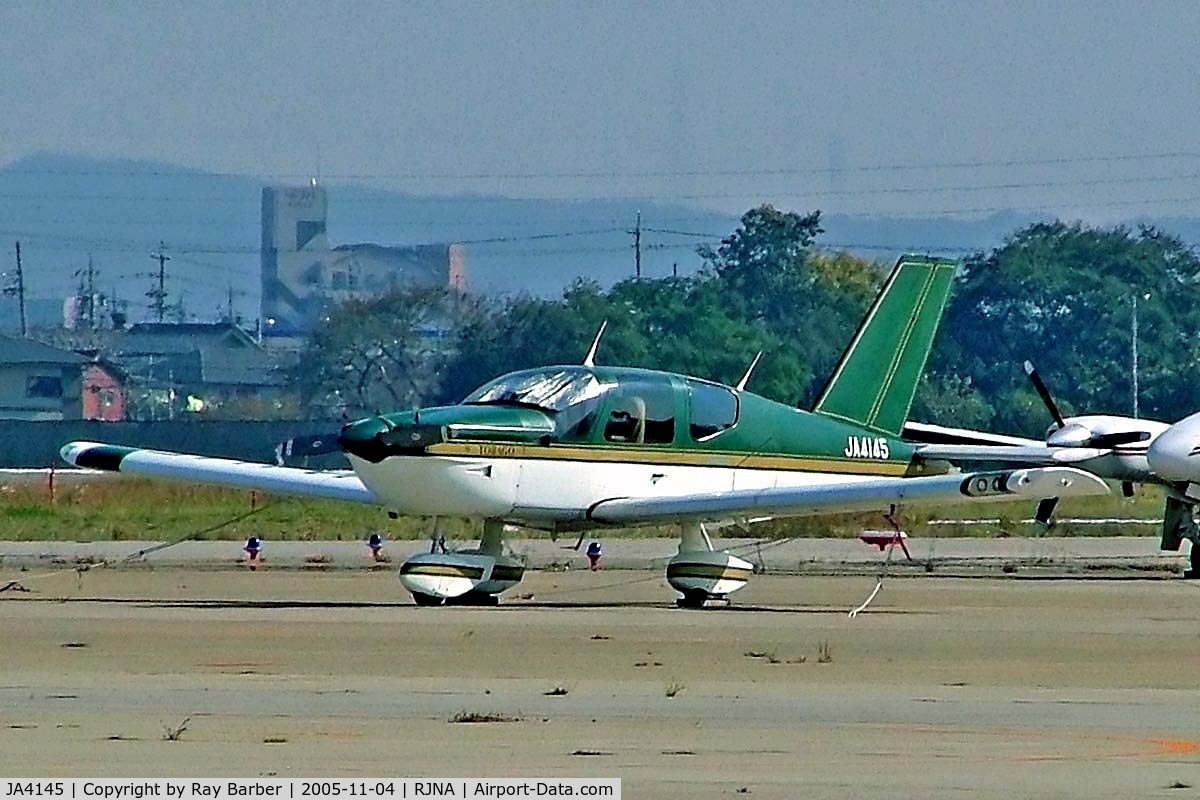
[[158, 296], [637, 246], [91, 293], [18, 289]]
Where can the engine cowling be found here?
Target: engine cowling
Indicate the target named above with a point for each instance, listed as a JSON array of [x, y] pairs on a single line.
[[1104, 431]]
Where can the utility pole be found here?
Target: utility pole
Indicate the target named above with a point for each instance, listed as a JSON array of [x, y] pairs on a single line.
[[116, 307], [229, 304], [158, 297], [91, 293], [18, 289], [1134, 353], [637, 246]]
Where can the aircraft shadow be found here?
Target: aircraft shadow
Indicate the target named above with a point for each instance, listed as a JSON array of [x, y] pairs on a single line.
[[143, 602]]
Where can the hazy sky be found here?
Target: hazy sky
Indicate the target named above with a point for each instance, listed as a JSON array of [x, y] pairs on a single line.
[[718, 104]]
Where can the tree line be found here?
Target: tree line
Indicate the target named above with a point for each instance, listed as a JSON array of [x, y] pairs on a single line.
[[1061, 295]]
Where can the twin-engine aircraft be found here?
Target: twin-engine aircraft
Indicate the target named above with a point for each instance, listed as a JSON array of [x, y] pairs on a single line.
[[1125, 449], [578, 447]]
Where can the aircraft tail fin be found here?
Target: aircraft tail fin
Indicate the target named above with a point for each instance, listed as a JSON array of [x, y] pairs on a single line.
[[876, 379]]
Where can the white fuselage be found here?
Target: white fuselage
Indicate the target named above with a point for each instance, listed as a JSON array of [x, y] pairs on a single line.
[[546, 492]]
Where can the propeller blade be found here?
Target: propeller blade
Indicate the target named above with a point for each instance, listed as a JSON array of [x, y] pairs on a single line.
[[1044, 393], [316, 445], [1045, 511], [1106, 440]]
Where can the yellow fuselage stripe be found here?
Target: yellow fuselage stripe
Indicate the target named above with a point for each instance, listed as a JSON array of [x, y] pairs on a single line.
[[696, 458]]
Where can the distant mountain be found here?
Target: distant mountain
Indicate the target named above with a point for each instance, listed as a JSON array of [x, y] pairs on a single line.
[[64, 208]]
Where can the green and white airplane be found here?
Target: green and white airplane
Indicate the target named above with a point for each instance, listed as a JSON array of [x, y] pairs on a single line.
[[579, 447]]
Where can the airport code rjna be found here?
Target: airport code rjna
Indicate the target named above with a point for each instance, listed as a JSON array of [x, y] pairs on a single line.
[[251, 789]]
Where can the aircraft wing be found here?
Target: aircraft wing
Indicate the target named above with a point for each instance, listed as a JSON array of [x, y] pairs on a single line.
[[868, 495], [940, 434], [341, 485], [961, 444]]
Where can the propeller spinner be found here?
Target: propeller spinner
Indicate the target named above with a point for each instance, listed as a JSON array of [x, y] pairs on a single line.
[[1085, 431]]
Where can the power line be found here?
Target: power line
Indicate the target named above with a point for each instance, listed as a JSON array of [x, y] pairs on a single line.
[[208, 248], [880, 190], [684, 233], [599, 174], [1030, 208], [186, 251], [908, 190]]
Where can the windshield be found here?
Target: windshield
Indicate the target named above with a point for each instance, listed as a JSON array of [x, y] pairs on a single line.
[[551, 390]]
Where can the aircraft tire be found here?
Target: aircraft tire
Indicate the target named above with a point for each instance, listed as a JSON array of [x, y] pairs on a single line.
[[692, 599], [427, 599], [1194, 558], [474, 599]]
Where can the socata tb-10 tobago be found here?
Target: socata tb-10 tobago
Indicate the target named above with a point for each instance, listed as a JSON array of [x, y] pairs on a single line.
[[584, 446]]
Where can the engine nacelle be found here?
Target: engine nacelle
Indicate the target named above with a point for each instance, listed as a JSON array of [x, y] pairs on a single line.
[[1175, 454], [702, 575], [445, 576]]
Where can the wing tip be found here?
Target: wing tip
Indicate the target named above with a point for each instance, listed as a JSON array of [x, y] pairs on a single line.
[[95, 455]]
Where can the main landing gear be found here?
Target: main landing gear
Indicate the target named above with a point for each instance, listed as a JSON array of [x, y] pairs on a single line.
[[1194, 559], [462, 577], [1179, 523], [704, 577]]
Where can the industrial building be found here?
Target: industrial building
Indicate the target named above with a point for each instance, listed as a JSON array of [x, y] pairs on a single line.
[[302, 274]]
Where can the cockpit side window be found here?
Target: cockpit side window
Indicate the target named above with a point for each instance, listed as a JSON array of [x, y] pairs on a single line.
[[642, 412], [713, 409]]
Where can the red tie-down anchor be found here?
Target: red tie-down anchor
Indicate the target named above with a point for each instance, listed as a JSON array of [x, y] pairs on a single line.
[[885, 539]]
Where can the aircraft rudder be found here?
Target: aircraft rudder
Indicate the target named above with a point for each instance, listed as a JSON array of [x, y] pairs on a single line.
[[876, 378]]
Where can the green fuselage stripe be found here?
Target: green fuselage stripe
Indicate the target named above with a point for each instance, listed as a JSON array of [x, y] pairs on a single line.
[[708, 571], [673, 457]]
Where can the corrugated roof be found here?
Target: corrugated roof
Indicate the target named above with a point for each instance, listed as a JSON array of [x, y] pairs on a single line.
[[14, 350], [149, 337]]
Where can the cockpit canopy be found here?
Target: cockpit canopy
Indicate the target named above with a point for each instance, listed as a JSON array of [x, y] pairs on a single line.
[[637, 406], [548, 389]]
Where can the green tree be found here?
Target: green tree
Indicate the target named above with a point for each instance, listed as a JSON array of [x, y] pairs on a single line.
[[1061, 295], [384, 353], [808, 302], [764, 262]]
